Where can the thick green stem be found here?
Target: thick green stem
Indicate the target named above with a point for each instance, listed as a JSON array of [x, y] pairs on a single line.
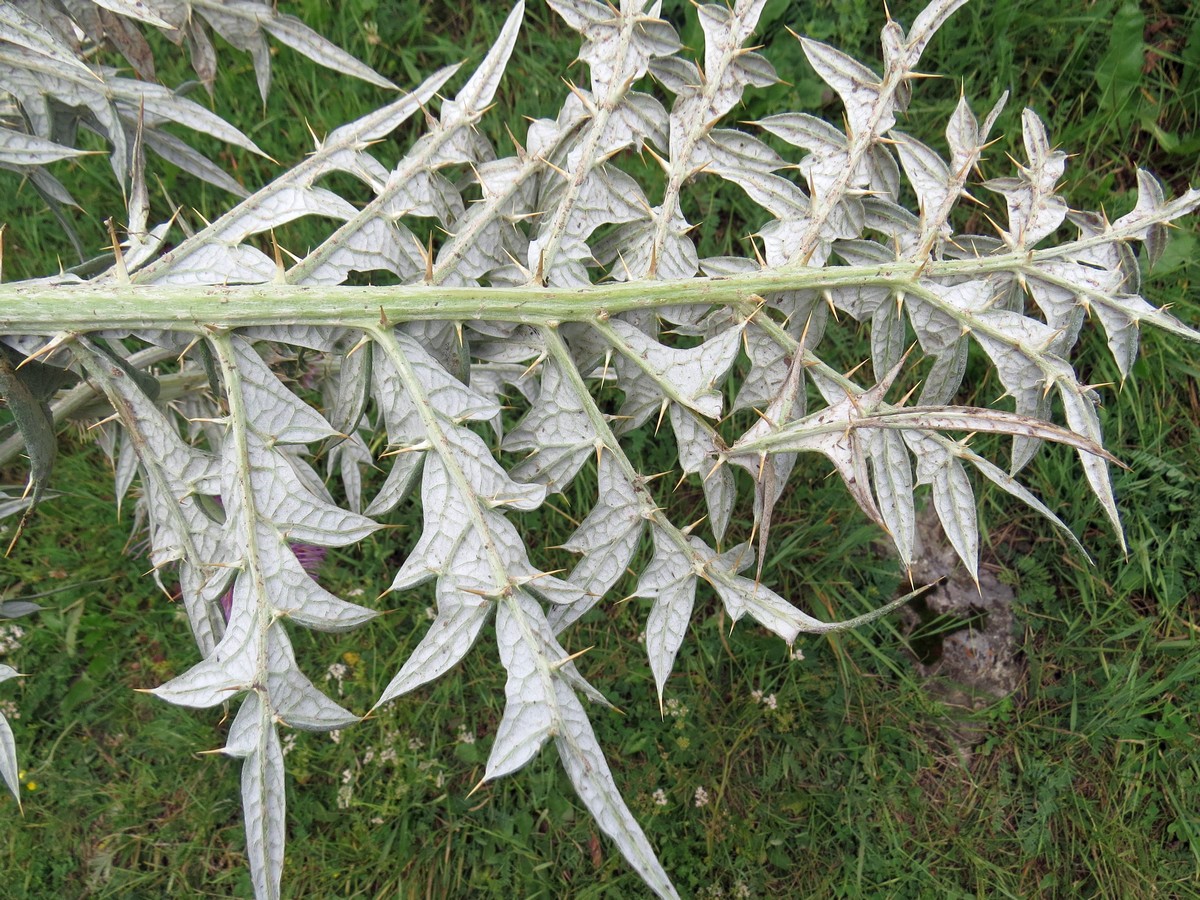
[[41, 308]]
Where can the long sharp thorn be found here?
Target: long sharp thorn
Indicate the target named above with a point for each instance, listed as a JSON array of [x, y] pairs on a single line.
[[118, 256], [559, 663]]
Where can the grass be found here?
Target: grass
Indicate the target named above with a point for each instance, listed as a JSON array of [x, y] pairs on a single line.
[[832, 776]]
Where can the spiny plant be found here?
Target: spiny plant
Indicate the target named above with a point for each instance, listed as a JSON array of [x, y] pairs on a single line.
[[518, 320]]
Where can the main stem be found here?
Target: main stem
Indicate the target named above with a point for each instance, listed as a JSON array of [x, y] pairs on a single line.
[[42, 308]]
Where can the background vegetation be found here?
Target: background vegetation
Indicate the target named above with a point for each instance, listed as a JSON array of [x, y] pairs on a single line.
[[837, 774]]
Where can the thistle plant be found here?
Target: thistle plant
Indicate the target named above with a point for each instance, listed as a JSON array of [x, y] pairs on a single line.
[[519, 313]]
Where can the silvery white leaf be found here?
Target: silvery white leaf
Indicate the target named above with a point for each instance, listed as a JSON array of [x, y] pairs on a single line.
[[448, 512], [727, 68], [670, 581], [807, 132], [291, 31], [202, 53], [1079, 406], [1150, 204], [1021, 350], [476, 95], [400, 480], [677, 75], [440, 340], [953, 498], [175, 477], [8, 746], [293, 698], [937, 330], [349, 392], [927, 173], [556, 431], [26, 31], [20, 149], [446, 394], [338, 152], [891, 474], [639, 32], [490, 483], [858, 87], [154, 104], [298, 597], [887, 338], [178, 153], [699, 445], [225, 672], [652, 374], [1034, 209], [8, 759], [607, 538], [1007, 483], [817, 432], [603, 195], [14, 609], [460, 618], [134, 9], [531, 694], [588, 770], [632, 254], [927, 22], [215, 263], [253, 738], [279, 415], [901, 227], [946, 375], [374, 245], [770, 362], [639, 119]]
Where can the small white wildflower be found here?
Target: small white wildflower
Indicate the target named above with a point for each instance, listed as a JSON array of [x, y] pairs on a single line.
[[378, 820], [770, 701], [756, 696], [289, 742], [440, 780], [464, 736], [660, 797], [415, 744], [356, 592], [430, 613], [741, 890], [701, 797], [347, 776], [345, 792], [10, 710], [336, 736], [368, 756], [675, 708], [387, 756], [10, 638], [797, 654]]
